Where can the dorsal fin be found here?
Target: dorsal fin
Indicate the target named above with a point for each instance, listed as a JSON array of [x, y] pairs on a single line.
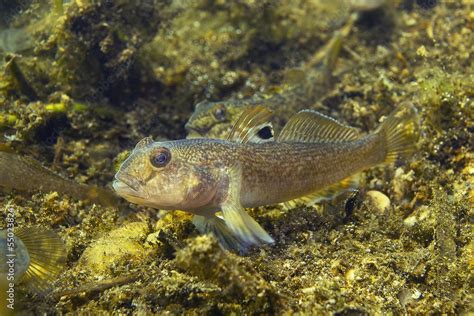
[[308, 126], [249, 126]]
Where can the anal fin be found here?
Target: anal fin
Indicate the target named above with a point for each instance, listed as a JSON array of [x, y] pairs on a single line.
[[347, 184]]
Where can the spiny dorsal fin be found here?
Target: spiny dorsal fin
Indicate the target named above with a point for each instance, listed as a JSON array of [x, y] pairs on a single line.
[[250, 124], [347, 184], [309, 126]]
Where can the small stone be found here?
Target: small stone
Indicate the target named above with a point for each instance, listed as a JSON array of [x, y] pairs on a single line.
[[401, 183], [405, 73], [378, 200], [410, 221], [407, 296], [350, 275], [416, 294], [367, 5], [309, 290], [421, 51], [410, 21], [421, 214]]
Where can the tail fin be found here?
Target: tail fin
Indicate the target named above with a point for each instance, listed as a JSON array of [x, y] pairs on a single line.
[[401, 131], [47, 257]]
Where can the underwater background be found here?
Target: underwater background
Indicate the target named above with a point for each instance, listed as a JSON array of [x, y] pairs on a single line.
[[81, 82]]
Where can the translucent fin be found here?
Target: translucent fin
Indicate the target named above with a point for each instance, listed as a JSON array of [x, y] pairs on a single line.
[[312, 127], [47, 257], [348, 184], [27, 174], [250, 123], [239, 222], [217, 227], [327, 56], [401, 131], [244, 226], [101, 195]]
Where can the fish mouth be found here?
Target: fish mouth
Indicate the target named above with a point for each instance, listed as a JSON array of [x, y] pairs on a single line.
[[194, 132], [126, 185]]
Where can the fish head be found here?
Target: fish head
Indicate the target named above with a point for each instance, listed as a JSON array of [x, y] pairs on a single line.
[[213, 119], [165, 175]]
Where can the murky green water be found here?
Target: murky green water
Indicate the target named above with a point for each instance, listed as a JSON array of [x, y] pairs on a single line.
[[81, 82]]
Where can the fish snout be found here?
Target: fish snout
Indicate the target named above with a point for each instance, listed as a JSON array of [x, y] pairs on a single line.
[[194, 131], [126, 184]]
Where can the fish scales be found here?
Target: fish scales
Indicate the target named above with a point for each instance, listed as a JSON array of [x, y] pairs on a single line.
[[277, 172], [314, 157]]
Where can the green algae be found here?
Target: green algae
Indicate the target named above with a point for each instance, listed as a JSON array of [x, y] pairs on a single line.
[[104, 78]]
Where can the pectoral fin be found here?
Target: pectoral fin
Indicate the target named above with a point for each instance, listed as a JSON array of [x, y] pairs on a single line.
[[47, 257], [235, 216], [231, 239], [244, 226], [217, 227]]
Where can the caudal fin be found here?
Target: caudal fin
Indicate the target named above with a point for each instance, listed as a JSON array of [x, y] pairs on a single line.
[[401, 131]]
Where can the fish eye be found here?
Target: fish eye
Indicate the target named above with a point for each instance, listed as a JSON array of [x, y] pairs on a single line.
[[160, 157], [220, 114]]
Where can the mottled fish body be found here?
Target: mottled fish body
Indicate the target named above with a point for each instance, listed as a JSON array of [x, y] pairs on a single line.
[[314, 157], [279, 172]]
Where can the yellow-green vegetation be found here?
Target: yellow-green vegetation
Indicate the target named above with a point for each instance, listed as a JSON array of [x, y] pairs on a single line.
[[196, 51], [8, 119], [101, 258], [100, 75]]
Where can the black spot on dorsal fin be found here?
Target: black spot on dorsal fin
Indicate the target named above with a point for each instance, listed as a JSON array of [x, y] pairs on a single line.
[[253, 126]]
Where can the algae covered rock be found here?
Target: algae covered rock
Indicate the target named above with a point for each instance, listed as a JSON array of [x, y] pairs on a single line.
[[119, 248], [237, 280], [169, 233], [93, 77], [198, 50]]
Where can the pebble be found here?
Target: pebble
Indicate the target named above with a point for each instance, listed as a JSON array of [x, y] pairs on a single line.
[[421, 214], [378, 200], [401, 183]]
